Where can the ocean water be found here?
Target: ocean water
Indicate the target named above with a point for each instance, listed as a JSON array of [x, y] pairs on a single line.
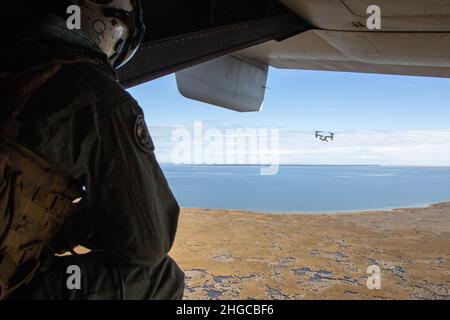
[[308, 189]]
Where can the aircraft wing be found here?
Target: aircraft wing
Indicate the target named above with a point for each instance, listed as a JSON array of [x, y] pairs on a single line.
[[414, 38], [221, 50]]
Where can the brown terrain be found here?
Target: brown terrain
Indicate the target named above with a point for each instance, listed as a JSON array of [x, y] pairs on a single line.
[[242, 255]]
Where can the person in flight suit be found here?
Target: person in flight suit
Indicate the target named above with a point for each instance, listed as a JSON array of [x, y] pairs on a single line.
[[83, 122]]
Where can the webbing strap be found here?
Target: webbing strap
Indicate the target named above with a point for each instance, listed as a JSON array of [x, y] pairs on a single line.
[[13, 239], [7, 267], [41, 200]]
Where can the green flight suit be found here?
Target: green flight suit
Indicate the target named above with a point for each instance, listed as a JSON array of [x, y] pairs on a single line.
[[84, 123]]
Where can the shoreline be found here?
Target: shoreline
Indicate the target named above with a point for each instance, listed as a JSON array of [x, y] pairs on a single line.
[[229, 254], [324, 213]]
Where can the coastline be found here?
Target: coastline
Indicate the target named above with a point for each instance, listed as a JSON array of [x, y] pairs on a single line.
[[329, 212], [229, 254]]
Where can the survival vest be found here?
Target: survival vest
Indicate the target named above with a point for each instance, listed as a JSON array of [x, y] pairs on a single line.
[[35, 200]]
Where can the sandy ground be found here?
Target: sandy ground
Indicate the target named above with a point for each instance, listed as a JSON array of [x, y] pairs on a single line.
[[239, 255]]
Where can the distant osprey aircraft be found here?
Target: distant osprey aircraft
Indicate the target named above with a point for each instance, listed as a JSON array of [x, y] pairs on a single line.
[[320, 135]]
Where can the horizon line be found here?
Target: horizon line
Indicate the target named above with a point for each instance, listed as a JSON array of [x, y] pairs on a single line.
[[307, 165]]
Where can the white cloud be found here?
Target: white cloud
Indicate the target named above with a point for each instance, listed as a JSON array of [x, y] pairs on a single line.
[[413, 147]]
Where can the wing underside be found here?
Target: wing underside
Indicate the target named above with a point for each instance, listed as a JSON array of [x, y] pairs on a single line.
[[221, 50], [414, 38]]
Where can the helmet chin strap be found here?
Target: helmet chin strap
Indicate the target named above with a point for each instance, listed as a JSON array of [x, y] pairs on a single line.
[[119, 48]]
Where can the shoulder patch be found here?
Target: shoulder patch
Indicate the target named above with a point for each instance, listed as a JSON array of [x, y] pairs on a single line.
[[142, 136]]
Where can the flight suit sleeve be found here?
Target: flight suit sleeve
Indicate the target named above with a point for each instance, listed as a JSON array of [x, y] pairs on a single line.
[[131, 206]]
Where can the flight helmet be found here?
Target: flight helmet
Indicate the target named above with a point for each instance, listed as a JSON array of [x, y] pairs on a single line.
[[117, 26]]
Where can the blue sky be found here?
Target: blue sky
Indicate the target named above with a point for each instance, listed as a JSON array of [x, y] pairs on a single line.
[[399, 120]]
